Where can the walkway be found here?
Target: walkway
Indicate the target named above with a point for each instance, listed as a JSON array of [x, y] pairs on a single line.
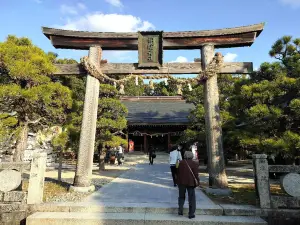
[[144, 184]]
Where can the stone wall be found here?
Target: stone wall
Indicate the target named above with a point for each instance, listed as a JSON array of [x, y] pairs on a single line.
[[14, 200], [36, 145], [289, 182], [39, 142]]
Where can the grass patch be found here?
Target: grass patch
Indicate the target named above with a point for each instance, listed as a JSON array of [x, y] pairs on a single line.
[[243, 194], [52, 189]]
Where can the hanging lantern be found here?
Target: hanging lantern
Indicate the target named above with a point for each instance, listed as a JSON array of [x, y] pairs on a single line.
[[151, 85], [179, 91], [166, 81], [136, 80], [121, 91], [190, 87]]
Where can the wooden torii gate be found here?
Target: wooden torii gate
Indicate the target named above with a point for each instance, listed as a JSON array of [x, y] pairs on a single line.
[[150, 46]]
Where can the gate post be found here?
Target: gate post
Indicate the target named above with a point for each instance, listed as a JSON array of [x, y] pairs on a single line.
[[261, 178], [37, 178], [213, 127], [82, 180]]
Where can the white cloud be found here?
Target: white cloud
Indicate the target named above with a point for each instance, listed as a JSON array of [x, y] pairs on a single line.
[[230, 57], [65, 9], [118, 56], [293, 3], [108, 23], [73, 10], [181, 59], [81, 6], [116, 3]]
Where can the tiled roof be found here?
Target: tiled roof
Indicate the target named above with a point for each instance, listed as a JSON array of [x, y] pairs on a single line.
[[164, 111]]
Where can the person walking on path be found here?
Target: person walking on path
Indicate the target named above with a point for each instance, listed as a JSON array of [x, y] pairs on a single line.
[[188, 180], [120, 154], [151, 152], [175, 158]]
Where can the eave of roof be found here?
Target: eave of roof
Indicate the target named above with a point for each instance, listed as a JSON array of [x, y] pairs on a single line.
[[163, 110]]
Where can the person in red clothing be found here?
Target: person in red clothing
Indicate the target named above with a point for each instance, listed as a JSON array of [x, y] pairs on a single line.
[[187, 180]]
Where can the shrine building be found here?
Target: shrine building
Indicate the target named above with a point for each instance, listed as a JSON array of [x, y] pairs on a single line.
[[156, 120]]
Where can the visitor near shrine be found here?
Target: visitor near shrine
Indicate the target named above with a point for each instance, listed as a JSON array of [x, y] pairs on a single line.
[[194, 149], [152, 155], [181, 148], [120, 155], [175, 158], [187, 180]]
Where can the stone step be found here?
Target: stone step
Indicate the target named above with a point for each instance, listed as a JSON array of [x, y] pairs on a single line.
[[154, 208], [71, 218]]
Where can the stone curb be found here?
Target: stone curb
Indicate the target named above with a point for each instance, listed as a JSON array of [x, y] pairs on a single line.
[[110, 208], [137, 219], [248, 210], [82, 189], [223, 209], [12, 207]]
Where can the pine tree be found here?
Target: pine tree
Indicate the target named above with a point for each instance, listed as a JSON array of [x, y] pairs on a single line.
[[26, 89], [111, 120]]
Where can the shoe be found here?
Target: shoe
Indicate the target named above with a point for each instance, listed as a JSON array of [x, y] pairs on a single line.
[[175, 185], [180, 213], [191, 217]]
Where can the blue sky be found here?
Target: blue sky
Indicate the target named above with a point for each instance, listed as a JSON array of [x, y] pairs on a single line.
[[26, 17]]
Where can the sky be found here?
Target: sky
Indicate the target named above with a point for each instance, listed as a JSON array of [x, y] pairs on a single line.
[[26, 17]]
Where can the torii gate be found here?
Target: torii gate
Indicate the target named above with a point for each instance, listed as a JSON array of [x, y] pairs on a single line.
[[150, 46]]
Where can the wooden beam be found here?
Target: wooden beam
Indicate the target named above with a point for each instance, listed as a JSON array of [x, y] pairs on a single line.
[[170, 68], [221, 38], [284, 169], [235, 40]]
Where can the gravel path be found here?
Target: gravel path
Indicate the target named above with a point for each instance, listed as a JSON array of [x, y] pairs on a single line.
[[55, 191]]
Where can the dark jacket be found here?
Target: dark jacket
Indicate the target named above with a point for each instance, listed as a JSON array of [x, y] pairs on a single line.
[[185, 177], [151, 150]]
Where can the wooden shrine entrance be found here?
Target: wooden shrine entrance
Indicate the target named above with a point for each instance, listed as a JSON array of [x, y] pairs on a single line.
[[150, 46]]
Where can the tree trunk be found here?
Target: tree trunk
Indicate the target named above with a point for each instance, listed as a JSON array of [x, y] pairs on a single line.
[[216, 164], [101, 159], [60, 164], [21, 144]]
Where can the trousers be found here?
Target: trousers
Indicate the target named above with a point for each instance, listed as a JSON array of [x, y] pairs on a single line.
[[150, 158], [119, 157], [174, 173], [191, 198]]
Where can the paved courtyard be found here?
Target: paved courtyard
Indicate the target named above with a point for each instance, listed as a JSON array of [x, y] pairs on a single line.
[[144, 184]]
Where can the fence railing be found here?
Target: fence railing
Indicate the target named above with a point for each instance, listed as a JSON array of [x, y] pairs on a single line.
[[289, 182], [12, 179]]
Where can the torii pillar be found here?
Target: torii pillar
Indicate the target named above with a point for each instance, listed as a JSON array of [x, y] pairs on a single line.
[[213, 126], [84, 167]]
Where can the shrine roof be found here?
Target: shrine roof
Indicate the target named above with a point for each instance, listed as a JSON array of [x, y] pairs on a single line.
[[163, 110]]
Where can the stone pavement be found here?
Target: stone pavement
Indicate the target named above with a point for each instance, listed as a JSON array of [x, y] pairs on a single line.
[[144, 184]]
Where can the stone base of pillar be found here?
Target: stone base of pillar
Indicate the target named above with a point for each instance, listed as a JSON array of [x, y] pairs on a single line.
[[218, 191], [82, 189]]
